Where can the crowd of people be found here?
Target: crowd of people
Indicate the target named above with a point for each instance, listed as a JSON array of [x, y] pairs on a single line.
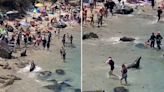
[[41, 29]]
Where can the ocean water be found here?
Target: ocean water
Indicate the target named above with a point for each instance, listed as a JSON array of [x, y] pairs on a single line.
[[149, 78]]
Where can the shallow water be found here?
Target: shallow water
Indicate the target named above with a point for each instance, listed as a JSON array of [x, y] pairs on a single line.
[[149, 78]]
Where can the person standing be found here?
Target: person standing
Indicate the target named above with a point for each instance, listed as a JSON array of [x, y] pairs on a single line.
[[44, 41], [64, 55], [99, 18], [124, 72], [63, 39], [25, 40], [159, 13], [111, 63], [92, 20], [152, 40], [152, 4], [71, 39], [158, 40], [119, 1]]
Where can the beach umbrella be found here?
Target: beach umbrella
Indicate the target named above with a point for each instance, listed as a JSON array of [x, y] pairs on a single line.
[[2, 31], [39, 5], [35, 10]]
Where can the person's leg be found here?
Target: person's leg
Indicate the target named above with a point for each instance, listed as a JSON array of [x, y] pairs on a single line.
[[126, 80]]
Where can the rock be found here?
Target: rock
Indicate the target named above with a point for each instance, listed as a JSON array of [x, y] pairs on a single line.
[[120, 89], [10, 80], [90, 35], [45, 73], [77, 90], [126, 10], [21, 64], [127, 39], [23, 53], [60, 71], [5, 51], [95, 91], [135, 64]]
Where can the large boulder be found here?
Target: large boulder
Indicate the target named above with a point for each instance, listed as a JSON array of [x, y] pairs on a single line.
[[125, 10], [60, 71], [90, 35], [120, 89], [5, 51], [127, 39]]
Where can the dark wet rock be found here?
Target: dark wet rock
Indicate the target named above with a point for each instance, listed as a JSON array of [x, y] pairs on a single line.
[[5, 51], [126, 10], [141, 46], [95, 91], [135, 64], [58, 86], [77, 90], [23, 53], [60, 71], [8, 80], [127, 39], [90, 35], [120, 89]]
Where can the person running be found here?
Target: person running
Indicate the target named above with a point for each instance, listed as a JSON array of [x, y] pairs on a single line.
[[159, 13], [124, 72], [158, 40], [111, 63], [152, 40]]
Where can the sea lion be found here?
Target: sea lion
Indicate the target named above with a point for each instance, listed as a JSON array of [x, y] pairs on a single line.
[[33, 66], [23, 53], [135, 64]]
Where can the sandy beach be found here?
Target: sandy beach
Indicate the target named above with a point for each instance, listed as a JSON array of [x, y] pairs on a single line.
[[46, 60]]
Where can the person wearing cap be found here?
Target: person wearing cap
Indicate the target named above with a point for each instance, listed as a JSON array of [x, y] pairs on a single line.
[[124, 72], [111, 63], [158, 40]]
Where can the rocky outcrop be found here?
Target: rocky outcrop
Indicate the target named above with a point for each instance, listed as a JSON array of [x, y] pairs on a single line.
[[125, 10], [8, 80], [60, 71], [90, 35], [127, 39], [5, 51], [120, 89]]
